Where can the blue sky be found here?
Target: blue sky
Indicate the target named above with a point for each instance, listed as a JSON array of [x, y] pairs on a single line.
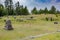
[[58, 1], [43, 1], [39, 4]]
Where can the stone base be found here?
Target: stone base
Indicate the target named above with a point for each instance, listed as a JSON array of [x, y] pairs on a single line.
[[8, 27]]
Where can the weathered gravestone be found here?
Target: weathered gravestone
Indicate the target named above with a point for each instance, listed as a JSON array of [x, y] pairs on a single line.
[[8, 25]]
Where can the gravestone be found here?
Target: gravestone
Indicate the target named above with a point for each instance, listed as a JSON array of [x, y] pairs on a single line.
[[8, 25]]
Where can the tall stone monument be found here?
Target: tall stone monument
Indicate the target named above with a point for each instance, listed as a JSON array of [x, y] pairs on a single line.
[[8, 25]]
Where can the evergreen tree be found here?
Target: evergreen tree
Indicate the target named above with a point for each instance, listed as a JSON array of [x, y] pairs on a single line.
[[34, 11], [46, 10], [17, 8], [53, 10], [25, 11], [58, 12], [1, 10], [9, 6], [41, 11], [21, 10]]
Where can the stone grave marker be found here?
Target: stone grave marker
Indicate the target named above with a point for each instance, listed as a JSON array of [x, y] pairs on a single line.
[[8, 25]]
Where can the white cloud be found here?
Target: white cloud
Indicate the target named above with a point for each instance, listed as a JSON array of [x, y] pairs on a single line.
[[32, 3]]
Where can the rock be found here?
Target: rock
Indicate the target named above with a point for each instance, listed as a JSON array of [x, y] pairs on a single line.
[[58, 30], [14, 17], [55, 22], [8, 25]]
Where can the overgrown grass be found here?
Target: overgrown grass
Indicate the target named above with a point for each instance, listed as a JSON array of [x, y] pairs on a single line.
[[28, 27]]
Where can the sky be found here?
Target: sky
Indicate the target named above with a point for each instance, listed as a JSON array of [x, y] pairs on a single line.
[[39, 4]]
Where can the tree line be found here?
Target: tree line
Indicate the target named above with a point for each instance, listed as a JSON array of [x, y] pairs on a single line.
[[9, 9], [45, 11]]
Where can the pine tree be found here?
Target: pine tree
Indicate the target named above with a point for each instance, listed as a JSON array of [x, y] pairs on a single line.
[[34, 11], [25, 11], [9, 6], [52, 10], [17, 8], [41, 11], [46, 10], [58, 12], [1, 10]]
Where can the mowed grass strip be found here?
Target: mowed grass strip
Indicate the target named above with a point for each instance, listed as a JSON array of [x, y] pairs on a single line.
[[55, 36]]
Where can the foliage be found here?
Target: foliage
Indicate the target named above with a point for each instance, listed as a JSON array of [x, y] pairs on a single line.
[[1, 10], [45, 11], [10, 9], [34, 11], [52, 10]]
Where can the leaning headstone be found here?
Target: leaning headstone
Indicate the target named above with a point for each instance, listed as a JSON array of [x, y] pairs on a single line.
[[8, 25]]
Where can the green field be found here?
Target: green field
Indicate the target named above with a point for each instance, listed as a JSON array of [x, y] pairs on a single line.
[[55, 36], [37, 25]]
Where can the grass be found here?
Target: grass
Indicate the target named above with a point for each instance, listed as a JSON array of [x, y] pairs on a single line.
[[28, 27], [55, 36]]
